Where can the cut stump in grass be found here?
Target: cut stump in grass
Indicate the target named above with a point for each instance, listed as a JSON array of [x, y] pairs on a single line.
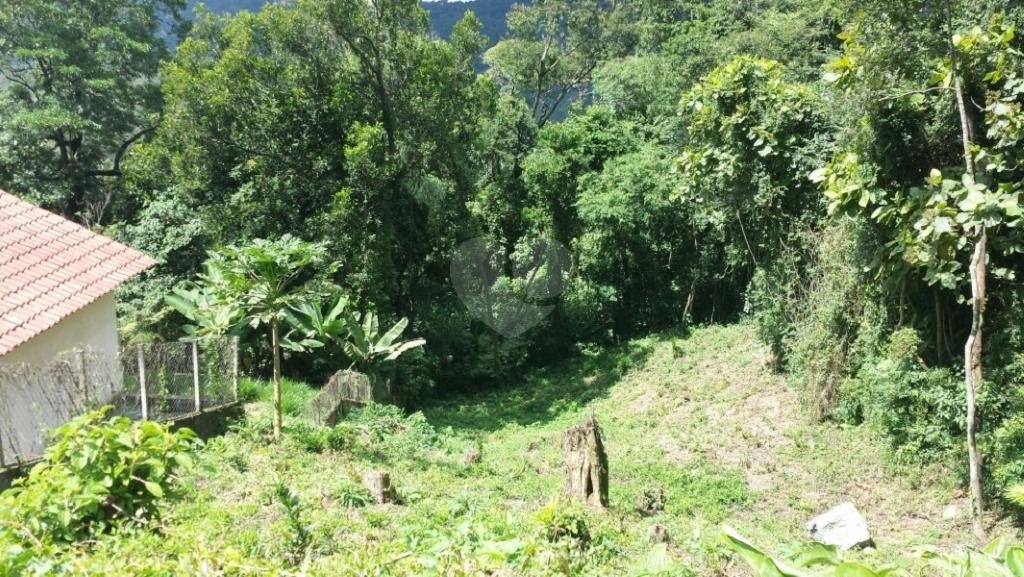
[[344, 390], [658, 534], [586, 464], [378, 483], [472, 456]]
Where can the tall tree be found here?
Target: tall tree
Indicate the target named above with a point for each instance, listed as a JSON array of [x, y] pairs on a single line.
[[79, 88], [380, 33], [942, 224], [552, 48], [275, 125], [753, 138], [565, 152], [264, 281]]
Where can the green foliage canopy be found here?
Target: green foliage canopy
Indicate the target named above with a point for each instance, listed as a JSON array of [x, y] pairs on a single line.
[[78, 86]]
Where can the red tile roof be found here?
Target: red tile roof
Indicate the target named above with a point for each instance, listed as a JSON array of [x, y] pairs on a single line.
[[51, 267]]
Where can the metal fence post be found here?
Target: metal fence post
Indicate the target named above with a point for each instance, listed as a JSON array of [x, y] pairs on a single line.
[[143, 395], [195, 374], [234, 367]]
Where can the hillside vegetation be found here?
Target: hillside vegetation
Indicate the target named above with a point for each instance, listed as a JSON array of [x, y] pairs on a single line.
[[506, 233], [701, 420]]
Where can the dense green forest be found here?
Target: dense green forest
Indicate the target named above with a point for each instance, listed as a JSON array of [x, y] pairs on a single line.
[[844, 176]]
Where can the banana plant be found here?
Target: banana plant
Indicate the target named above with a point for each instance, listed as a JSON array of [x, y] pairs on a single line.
[[315, 328], [998, 559], [358, 335], [368, 348], [814, 560], [209, 316]]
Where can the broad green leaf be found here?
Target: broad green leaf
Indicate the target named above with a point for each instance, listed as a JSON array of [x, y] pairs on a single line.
[[1015, 561], [393, 334], [183, 302], [407, 345], [849, 569], [154, 489]]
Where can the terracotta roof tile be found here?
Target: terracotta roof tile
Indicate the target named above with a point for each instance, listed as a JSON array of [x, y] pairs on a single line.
[[51, 267]]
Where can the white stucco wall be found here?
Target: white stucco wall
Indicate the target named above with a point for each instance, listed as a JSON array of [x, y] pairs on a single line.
[[94, 326], [39, 404]]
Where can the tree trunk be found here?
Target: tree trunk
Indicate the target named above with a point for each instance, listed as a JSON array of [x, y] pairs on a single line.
[[276, 346], [972, 349], [586, 464], [688, 309], [972, 371], [75, 202]]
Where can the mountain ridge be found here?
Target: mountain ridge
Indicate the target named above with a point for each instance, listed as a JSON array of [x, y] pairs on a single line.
[[443, 13]]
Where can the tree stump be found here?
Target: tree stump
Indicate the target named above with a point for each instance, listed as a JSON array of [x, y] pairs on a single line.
[[658, 534], [345, 389], [472, 456], [379, 485], [586, 464]]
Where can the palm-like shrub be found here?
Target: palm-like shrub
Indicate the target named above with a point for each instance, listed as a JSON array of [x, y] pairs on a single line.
[[358, 335], [254, 285]]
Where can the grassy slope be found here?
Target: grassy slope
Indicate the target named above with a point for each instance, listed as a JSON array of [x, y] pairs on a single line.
[[692, 415], [703, 418]]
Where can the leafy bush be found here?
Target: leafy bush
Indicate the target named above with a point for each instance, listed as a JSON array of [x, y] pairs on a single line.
[[1008, 455], [320, 439], [565, 521], [771, 300], [919, 410], [297, 538], [1015, 494], [294, 395], [98, 474], [351, 493], [634, 230], [389, 427], [249, 390], [813, 309]]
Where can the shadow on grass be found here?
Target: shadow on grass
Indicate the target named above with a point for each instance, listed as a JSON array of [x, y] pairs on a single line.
[[546, 394]]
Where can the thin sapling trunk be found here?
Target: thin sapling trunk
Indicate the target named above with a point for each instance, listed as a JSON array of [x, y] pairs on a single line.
[[276, 347], [973, 347]]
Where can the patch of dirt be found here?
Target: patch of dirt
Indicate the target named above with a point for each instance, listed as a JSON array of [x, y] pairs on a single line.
[[745, 416]]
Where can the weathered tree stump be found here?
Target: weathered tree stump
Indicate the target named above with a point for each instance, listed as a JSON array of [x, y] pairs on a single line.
[[472, 456], [379, 485], [651, 502], [586, 464], [343, 390], [658, 534]]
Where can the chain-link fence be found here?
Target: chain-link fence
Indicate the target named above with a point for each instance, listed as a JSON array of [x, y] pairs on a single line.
[[156, 381], [165, 381]]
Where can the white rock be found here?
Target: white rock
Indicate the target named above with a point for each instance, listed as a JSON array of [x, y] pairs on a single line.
[[950, 512], [842, 526]]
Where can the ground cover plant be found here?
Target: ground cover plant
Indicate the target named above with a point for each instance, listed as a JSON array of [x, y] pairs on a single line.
[[701, 421], [791, 247]]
